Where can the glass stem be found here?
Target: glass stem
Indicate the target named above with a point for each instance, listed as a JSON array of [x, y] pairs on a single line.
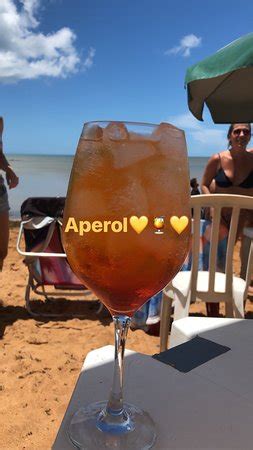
[[115, 402], [114, 419]]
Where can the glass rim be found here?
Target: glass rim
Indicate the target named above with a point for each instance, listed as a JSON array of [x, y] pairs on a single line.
[[131, 122]]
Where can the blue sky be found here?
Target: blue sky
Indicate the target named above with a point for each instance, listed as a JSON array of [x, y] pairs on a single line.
[[64, 62]]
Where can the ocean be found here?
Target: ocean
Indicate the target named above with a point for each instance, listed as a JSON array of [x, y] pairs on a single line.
[[46, 176]]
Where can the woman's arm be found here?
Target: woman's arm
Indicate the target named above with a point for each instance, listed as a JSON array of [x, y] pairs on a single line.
[[209, 173], [3, 161], [4, 165], [11, 177]]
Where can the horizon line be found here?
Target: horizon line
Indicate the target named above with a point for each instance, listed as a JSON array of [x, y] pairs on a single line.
[[73, 154]]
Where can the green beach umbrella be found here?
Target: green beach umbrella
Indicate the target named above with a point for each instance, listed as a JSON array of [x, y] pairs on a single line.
[[224, 82]]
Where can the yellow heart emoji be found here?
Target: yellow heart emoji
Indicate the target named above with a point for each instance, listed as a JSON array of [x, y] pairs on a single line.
[[179, 223], [138, 223]]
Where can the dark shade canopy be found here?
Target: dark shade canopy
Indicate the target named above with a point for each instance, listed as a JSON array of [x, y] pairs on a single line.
[[224, 82]]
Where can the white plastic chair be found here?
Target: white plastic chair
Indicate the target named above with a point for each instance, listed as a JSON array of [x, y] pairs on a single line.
[[209, 286]]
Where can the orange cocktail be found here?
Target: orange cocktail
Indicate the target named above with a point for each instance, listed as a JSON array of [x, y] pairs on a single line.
[[115, 179]]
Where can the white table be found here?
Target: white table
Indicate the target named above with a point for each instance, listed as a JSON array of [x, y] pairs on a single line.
[[183, 330], [210, 407]]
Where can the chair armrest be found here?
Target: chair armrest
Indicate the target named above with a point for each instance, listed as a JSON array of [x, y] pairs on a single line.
[[249, 268], [24, 253]]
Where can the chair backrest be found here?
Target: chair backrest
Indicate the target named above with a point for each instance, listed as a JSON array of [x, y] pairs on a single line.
[[216, 202], [56, 271]]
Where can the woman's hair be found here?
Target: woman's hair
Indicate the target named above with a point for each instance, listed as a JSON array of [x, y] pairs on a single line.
[[231, 129]]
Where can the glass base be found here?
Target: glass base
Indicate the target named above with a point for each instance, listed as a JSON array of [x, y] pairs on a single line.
[[90, 429]]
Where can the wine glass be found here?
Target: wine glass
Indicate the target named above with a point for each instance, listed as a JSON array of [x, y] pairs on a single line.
[[124, 175], [159, 224]]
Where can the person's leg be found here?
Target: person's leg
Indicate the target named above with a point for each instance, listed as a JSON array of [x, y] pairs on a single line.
[[4, 236]]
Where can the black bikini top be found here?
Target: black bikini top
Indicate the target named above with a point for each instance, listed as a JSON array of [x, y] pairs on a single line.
[[223, 181]]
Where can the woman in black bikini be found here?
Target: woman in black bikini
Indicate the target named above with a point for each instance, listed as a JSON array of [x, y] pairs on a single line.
[[232, 168], [231, 172]]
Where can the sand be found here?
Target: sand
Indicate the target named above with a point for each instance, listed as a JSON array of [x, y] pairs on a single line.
[[41, 359]]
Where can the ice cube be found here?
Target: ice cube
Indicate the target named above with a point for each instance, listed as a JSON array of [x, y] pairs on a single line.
[[129, 195], [169, 140], [89, 203], [132, 153], [124, 150], [92, 162], [92, 132], [116, 131], [165, 131]]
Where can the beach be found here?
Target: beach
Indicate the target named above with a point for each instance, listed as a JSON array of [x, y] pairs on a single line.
[[41, 359]]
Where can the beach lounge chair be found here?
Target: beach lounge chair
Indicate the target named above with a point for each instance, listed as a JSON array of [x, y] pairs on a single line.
[[49, 273], [210, 283]]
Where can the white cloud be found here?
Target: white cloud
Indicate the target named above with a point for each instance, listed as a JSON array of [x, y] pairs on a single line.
[[208, 136], [26, 53], [186, 120], [185, 46], [202, 140], [89, 60], [30, 7]]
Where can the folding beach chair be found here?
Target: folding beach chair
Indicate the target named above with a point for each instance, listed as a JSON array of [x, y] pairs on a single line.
[[44, 255]]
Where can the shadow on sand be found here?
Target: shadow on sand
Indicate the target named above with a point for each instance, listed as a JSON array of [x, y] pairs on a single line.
[[62, 309]]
